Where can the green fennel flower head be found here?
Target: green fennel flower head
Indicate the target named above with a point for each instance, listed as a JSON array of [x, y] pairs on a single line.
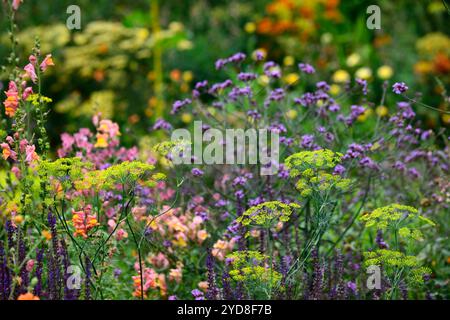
[[317, 160], [170, 147], [37, 99], [249, 266], [392, 261], [312, 169], [65, 170], [404, 218], [126, 173], [267, 213]]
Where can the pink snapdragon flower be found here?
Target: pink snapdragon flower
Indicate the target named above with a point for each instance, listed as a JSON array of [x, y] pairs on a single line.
[[31, 155], [27, 92], [30, 72], [16, 4]]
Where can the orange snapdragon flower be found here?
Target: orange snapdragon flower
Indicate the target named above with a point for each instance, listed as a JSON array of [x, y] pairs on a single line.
[[47, 62], [83, 221], [12, 101]]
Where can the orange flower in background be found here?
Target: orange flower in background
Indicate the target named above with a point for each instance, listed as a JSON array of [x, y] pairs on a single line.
[[12, 101], [442, 63], [28, 296]]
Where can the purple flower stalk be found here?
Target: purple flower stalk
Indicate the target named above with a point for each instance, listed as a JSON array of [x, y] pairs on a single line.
[[213, 291]]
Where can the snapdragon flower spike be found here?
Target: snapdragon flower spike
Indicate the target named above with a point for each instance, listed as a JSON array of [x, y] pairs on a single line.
[[7, 152], [83, 221], [12, 99]]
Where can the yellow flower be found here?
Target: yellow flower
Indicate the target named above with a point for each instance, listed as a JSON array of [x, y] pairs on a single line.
[[364, 73], [250, 27], [291, 78], [365, 115], [187, 76], [385, 72], [335, 89], [102, 140], [288, 61], [382, 111], [291, 114], [353, 60], [186, 117], [446, 118], [341, 76], [263, 80]]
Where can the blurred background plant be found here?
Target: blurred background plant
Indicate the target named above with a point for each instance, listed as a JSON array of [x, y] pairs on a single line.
[[131, 60]]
